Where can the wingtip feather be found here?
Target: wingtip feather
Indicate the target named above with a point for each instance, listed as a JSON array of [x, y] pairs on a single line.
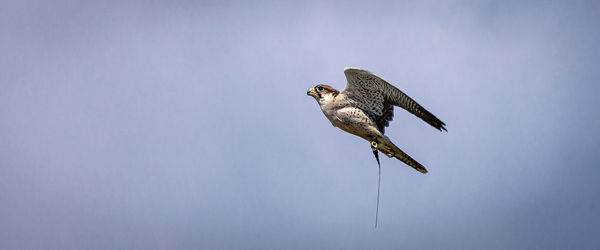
[[442, 127]]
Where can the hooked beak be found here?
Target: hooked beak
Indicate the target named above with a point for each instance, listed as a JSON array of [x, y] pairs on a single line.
[[310, 91]]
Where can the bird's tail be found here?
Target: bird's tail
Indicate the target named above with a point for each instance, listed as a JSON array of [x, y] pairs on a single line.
[[389, 149]]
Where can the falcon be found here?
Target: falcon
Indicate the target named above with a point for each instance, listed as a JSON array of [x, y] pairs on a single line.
[[365, 108]]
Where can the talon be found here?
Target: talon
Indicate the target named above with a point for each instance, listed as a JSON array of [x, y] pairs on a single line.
[[390, 153]]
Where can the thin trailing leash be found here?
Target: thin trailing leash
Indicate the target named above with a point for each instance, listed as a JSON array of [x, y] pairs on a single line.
[[376, 153]]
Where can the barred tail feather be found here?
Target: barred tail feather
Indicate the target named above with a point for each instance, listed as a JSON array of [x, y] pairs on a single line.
[[390, 149]]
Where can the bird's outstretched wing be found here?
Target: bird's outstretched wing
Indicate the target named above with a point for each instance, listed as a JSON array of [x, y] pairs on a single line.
[[373, 94]]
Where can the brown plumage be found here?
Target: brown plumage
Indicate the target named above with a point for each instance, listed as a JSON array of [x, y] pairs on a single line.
[[366, 107]]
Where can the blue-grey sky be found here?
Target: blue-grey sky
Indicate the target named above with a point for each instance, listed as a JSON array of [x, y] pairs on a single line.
[[185, 125]]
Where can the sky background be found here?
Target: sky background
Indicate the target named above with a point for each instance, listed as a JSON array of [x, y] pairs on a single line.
[[186, 125]]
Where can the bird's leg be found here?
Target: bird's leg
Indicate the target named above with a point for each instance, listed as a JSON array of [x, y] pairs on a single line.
[[376, 153], [389, 154], [374, 143]]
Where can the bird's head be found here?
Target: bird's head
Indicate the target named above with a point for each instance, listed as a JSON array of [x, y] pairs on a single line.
[[322, 93]]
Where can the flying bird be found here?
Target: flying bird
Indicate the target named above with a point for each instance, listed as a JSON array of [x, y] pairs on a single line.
[[366, 107]]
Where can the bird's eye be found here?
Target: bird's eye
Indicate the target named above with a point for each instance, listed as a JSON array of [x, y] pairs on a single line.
[[319, 88]]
